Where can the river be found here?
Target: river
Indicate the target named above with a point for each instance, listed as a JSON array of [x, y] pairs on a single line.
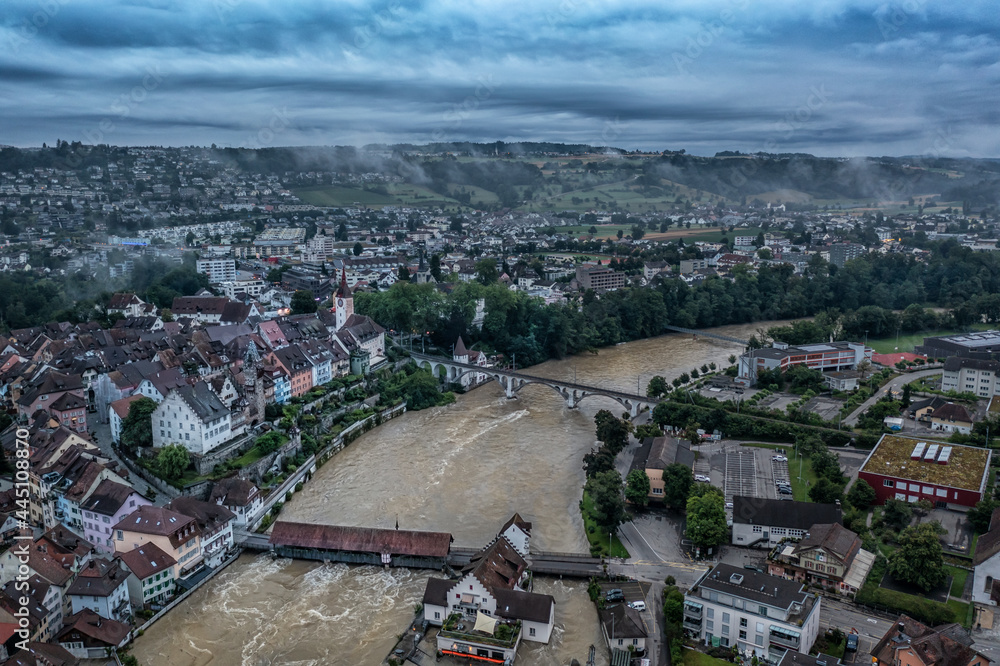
[[465, 469]]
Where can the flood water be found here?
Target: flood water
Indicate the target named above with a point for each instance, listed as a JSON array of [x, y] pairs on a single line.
[[464, 469]]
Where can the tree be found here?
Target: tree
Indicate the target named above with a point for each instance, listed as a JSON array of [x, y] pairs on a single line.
[[906, 395], [919, 560], [677, 483], [637, 487], [303, 302], [862, 495], [436, 267], [605, 491], [647, 430], [269, 442], [897, 513], [166, 315], [189, 239], [612, 431], [657, 387], [172, 460], [486, 271], [403, 274], [706, 519], [358, 249], [826, 492], [691, 433], [979, 515], [137, 426], [826, 464]]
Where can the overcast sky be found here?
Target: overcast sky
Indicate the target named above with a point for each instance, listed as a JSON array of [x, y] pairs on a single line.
[[829, 77]]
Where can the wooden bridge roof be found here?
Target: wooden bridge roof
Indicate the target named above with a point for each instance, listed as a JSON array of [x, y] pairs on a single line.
[[361, 539]]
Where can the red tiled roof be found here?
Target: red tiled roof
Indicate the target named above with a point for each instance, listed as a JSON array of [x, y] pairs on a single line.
[[361, 539]]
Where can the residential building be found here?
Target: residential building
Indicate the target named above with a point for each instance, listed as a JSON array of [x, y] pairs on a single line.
[[829, 555], [921, 410], [599, 278], [43, 654], [908, 469], [102, 587], [763, 616], [781, 356], [70, 410], [128, 305], [152, 581], [217, 270], [193, 416], [175, 534], [47, 389], [986, 565], [490, 589], [215, 523], [655, 454], [297, 367], [764, 523], [689, 266], [517, 531], [842, 380], [105, 507], [971, 375], [87, 635], [951, 417], [240, 496], [624, 631], [117, 411], [841, 253], [912, 643]]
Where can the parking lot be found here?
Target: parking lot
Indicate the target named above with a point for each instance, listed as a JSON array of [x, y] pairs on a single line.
[[741, 475]]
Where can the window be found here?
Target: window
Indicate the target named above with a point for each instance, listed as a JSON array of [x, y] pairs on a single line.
[[758, 528], [725, 630], [531, 631], [437, 615], [888, 483], [743, 635], [743, 622], [711, 613], [989, 584], [758, 640], [657, 491], [941, 492], [709, 625], [760, 627], [725, 618]]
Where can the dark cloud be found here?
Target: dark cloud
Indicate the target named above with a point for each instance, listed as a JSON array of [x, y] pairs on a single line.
[[833, 77]]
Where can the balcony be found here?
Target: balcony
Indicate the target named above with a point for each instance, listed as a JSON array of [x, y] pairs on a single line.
[[784, 637], [506, 635], [692, 610], [692, 625]]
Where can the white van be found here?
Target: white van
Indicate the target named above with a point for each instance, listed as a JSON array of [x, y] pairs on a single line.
[[638, 605]]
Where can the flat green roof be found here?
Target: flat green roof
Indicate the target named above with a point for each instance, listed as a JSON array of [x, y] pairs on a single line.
[[965, 468]]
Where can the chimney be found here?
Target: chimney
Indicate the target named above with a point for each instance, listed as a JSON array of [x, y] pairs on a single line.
[[775, 592]]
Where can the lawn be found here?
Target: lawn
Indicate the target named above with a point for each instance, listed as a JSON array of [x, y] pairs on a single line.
[[598, 540], [695, 658], [958, 580], [333, 195], [962, 611]]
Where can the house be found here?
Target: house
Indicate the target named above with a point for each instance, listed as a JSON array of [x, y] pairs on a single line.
[[215, 522], [842, 380], [986, 565], [117, 412], [49, 387], [102, 587], [43, 654], [152, 581], [655, 454], [296, 366], [517, 532], [491, 586], [470, 357], [106, 506], [44, 604], [127, 305], [912, 643], [87, 635], [921, 409], [623, 629], [764, 616], [829, 555], [908, 469], [241, 497], [829, 356], [70, 410], [175, 534], [979, 376], [764, 523], [194, 416], [951, 417]]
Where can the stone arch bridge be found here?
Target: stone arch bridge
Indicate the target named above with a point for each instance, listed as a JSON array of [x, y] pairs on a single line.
[[513, 381]]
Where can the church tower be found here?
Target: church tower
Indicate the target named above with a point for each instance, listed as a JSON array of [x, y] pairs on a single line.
[[345, 301]]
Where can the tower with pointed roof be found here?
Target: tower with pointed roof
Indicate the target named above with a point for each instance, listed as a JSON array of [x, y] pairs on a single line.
[[344, 300]]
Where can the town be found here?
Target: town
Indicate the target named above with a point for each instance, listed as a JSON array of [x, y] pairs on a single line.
[[187, 341]]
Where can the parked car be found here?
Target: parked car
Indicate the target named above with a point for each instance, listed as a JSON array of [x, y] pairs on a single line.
[[701, 478], [784, 490], [779, 458], [852, 643], [729, 505], [638, 605], [614, 595]]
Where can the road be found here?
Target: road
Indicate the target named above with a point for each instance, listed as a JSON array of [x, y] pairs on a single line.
[[894, 383], [847, 617], [101, 432]]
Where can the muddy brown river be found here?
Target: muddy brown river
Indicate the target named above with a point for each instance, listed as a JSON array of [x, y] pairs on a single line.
[[464, 469]]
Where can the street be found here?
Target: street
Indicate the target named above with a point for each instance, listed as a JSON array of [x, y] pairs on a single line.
[[894, 383]]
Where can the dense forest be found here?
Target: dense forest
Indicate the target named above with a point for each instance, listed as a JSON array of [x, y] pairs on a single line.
[[859, 299]]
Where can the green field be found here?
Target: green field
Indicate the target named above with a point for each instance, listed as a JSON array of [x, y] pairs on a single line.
[[695, 658], [906, 343], [333, 195]]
